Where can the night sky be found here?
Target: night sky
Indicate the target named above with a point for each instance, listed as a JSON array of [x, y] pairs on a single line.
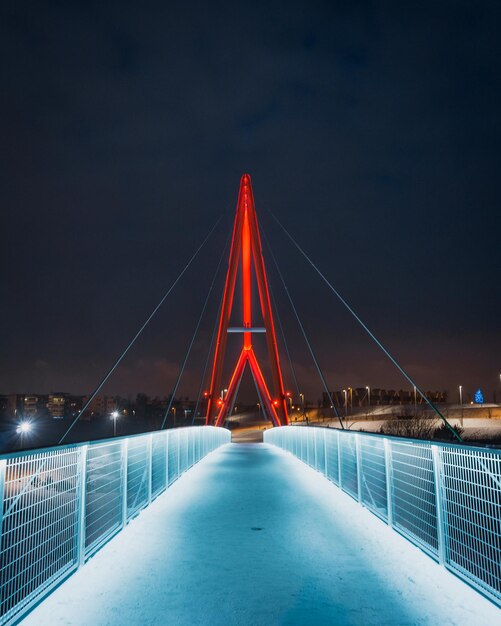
[[371, 129]]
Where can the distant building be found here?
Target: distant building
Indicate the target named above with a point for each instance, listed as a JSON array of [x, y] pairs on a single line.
[[359, 397], [30, 407], [56, 406], [15, 403], [100, 406], [74, 405]]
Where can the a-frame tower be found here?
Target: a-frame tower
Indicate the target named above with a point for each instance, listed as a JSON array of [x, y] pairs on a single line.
[[246, 251]]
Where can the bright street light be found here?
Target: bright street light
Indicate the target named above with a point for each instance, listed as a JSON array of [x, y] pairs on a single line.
[[23, 428], [114, 417]]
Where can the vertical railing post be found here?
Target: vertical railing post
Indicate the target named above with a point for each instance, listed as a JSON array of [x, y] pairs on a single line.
[[339, 460], [389, 483], [166, 448], [359, 467], [125, 454], [315, 437], [178, 454], [439, 501], [150, 467], [3, 467], [325, 452], [81, 504]]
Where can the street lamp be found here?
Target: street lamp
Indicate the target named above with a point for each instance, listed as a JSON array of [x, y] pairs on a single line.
[[174, 411], [415, 400], [369, 396], [23, 428], [114, 417], [345, 403]]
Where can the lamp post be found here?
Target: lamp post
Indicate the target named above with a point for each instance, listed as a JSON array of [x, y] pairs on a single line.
[[23, 428], [415, 401], [174, 411], [345, 404], [301, 397], [461, 401], [114, 417]]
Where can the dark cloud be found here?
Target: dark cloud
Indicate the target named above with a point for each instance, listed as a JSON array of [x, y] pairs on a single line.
[[371, 129]]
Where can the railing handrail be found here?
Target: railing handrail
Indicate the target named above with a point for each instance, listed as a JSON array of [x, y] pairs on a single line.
[[403, 439], [92, 442]]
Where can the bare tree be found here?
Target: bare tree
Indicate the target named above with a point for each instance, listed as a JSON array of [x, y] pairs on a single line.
[[419, 425]]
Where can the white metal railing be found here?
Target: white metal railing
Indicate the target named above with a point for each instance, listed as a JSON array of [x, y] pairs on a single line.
[[445, 498], [59, 505]]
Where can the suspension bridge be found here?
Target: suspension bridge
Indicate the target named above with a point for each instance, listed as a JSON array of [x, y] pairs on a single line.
[[314, 525]]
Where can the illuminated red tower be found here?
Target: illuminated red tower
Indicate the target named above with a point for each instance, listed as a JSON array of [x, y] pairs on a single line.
[[246, 246]]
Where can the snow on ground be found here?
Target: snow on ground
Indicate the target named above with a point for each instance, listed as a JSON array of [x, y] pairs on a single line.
[[252, 536], [477, 428]]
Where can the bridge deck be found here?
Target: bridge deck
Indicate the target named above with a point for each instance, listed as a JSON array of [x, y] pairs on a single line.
[[252, 536]]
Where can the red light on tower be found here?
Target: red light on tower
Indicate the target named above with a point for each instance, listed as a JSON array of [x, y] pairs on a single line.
[[288, 394], [245, 254], [206, 393]]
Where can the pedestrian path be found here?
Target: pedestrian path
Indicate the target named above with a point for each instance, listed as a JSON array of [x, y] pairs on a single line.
[[252, 536]]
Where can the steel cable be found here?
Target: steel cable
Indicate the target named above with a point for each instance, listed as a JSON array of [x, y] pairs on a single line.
[[131, 343]]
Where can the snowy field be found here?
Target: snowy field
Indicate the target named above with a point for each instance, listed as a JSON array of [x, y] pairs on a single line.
[[252, 536]]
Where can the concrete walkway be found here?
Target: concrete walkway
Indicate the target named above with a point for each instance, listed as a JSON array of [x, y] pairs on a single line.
[[252, 536]]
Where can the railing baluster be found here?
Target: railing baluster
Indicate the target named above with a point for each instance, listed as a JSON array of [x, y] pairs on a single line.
[[439, 502], [125, 454], [339, 460], [389, 482], [81, 505], [3, 465], [325, 452], [150, 466], [359, 467]]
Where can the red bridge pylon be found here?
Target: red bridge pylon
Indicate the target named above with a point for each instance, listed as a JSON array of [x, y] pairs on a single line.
[[246, 245]]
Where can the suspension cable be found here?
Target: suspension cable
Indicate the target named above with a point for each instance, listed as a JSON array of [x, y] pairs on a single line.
[[131, 343], [209, 353], [181, 370], [369, 332], [310, 348]]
